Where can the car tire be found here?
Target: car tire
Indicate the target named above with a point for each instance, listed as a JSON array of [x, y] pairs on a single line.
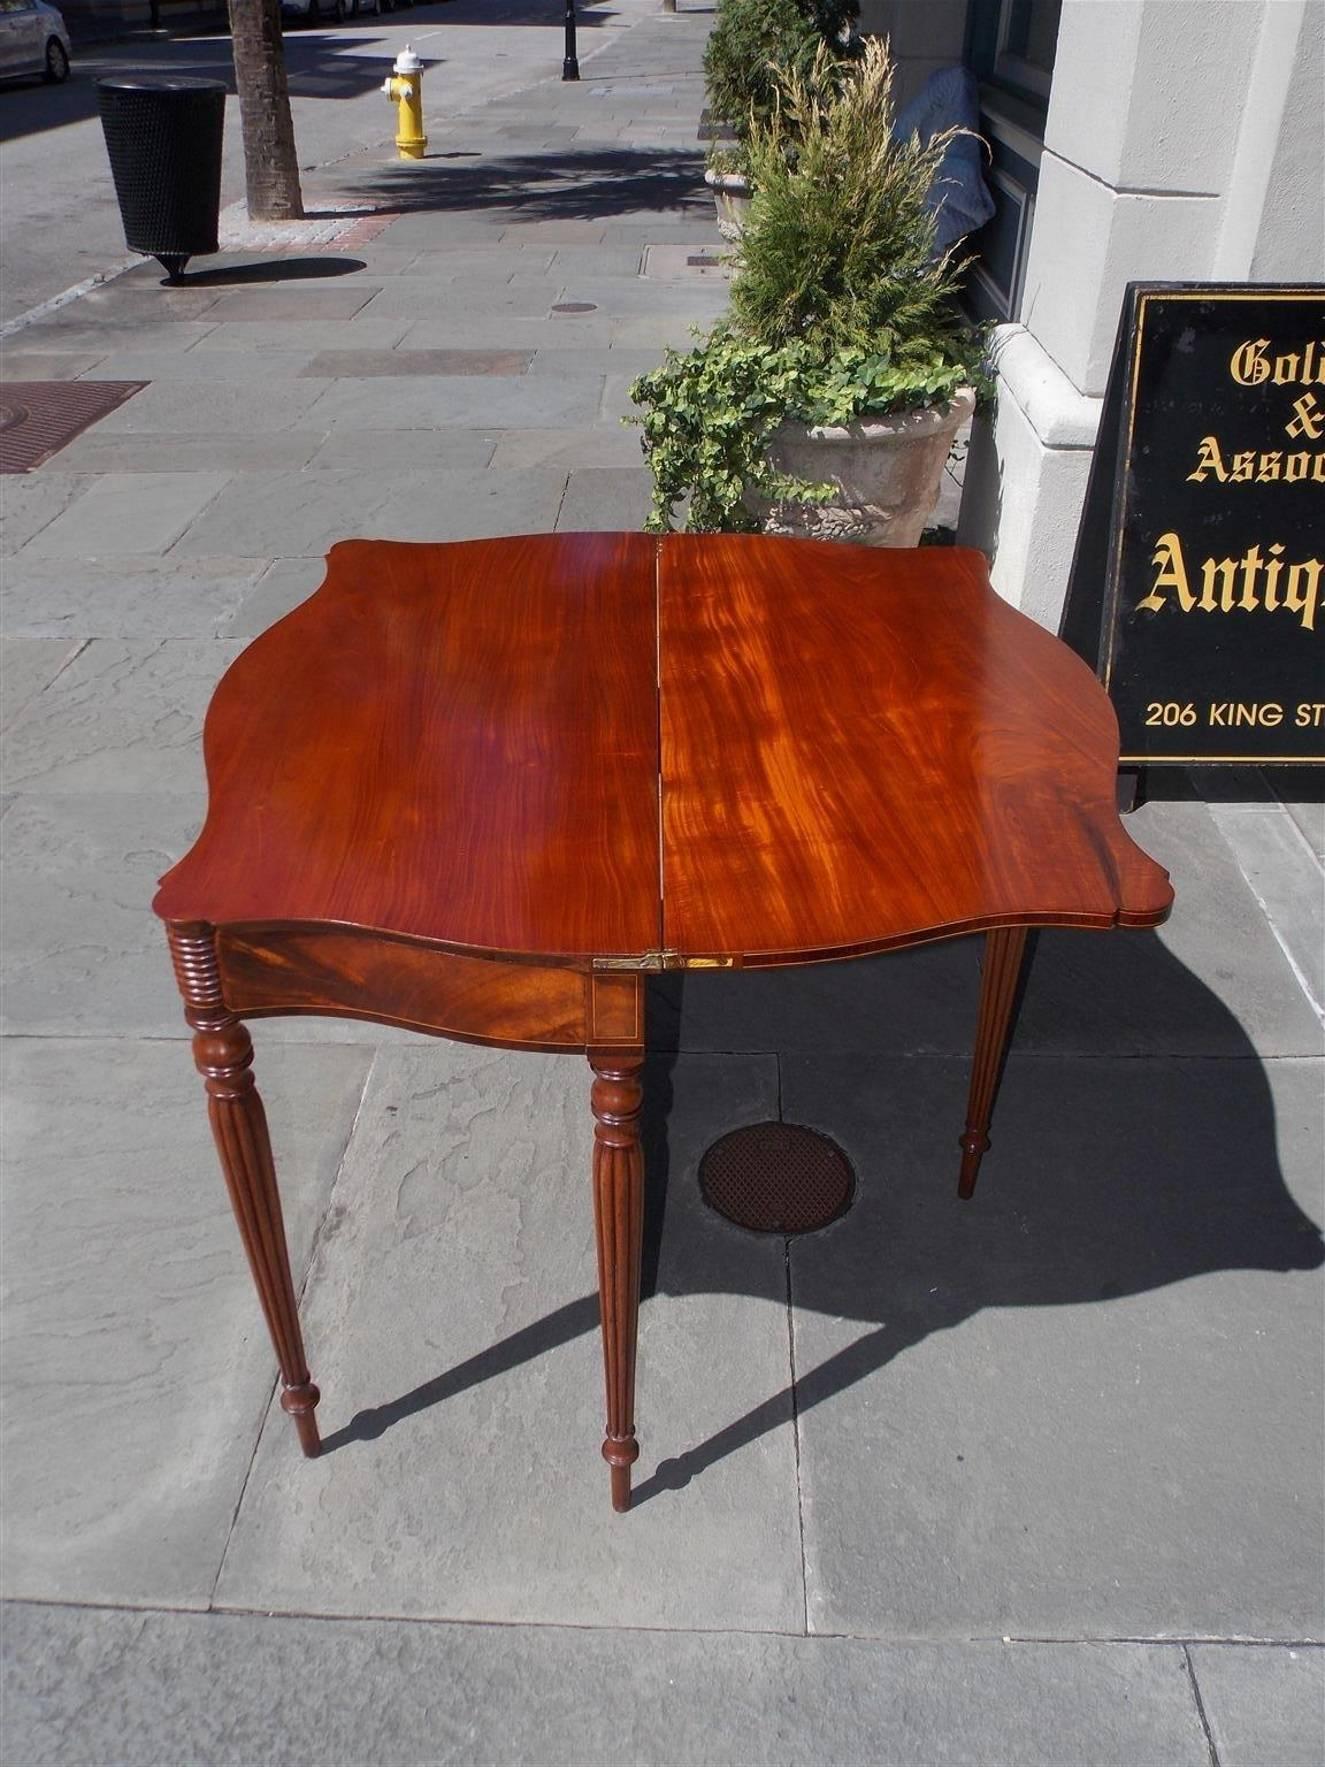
[[56, 70]]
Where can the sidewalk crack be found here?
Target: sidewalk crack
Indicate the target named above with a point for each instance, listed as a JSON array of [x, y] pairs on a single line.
[[1200, 1706], [796, 1429], [313, 1250]]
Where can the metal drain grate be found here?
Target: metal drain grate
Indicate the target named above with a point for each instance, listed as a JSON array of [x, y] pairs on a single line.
[[777, 1178], [575, 307], [39, 417]]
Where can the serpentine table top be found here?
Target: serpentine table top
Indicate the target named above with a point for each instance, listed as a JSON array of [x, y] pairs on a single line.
[[483, 789]]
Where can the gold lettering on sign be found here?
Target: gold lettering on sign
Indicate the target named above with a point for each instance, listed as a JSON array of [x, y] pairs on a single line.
[[1172, 575], [1231, 585], [1249, 467], [1309, 421], [1251, 367]]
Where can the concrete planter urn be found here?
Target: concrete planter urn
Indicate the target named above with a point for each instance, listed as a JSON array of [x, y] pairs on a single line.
[[731, 198], [887, 471]]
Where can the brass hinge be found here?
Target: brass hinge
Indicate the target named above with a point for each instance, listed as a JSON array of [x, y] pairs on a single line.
[[653, 961]]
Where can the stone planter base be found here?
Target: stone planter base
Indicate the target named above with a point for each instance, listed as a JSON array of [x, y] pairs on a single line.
[[887, 471], [731, 198]]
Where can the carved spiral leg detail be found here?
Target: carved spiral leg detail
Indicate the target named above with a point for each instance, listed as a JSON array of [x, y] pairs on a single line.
[[998, 989], [618, 1193], [223, 1053]]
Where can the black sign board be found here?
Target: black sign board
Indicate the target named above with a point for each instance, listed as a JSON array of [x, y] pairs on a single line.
[[1198, 586]]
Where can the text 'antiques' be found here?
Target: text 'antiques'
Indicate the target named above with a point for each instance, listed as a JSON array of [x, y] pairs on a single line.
[[1198, 588]]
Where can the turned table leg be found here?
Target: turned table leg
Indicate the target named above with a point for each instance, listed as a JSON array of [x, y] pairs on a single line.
[[223, 1052], [1004, 947], [618, 1196]]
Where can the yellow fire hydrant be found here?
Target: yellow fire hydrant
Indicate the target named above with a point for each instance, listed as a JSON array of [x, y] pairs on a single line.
[[405, 88]]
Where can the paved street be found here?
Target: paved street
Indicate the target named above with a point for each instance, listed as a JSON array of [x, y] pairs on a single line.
[[1034, 1479], [58, 218]]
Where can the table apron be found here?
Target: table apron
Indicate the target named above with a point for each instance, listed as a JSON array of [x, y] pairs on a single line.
[[351, 973]]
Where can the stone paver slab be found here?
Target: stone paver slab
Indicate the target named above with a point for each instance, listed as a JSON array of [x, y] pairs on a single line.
[[293, 305], [282, 587], [226, 1690], [409, 298], [601, 361], [31, 501], [1046, 1412], [434, 231], [129, 512], [141, 598], [596, 260], [21, 364], [626, 297], [528, 230], [569, 448], [285, 514], [452, 1323], [604, 499], [477, 331], [466, 401], [921, 1001], [1213, 980], [75, 328], [82, 953], [345, 364], [1287, 880], [129, 300], [240, 407], [1300, 791], [654, 331], [93, 452], [487, 258], [123, 717], [409, 449], [203, 365], [315, 334], [1265, 1706], [136, 1367], [27, 666]]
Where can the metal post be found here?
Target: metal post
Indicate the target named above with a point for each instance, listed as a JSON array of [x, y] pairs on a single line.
[[570, 68]]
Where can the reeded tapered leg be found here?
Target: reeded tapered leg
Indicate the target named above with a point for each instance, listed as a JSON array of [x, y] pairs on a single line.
[[223, 1052], [999, 973], [618, 1198]]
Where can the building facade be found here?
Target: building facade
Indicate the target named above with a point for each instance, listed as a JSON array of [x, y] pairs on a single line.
[[1164, 140]]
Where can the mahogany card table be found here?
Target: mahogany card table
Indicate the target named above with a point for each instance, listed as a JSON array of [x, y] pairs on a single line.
[[484, 790]]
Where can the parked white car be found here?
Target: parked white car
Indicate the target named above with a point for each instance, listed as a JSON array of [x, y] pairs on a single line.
[[33, 40]]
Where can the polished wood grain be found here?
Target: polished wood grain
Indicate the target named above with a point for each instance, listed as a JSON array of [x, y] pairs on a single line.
[[481, 789], [1005, 950], [341, 972], [223, 1054], [618, 1194], [455, 743], [866, 748]]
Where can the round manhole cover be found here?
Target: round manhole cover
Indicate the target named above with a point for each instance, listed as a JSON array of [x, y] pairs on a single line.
[[777, 1178]]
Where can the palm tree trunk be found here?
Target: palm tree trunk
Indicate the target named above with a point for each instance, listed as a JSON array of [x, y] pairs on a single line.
[[271, 168]]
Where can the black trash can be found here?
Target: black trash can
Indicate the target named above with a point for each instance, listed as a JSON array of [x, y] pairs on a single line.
[[164, 137]]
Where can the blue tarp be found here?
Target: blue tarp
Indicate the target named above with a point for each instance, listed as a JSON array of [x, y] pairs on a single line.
[[959, 196]]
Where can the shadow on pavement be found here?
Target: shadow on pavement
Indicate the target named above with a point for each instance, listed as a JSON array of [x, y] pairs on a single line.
[[274, 269], [1128, 1175], [570, 184]]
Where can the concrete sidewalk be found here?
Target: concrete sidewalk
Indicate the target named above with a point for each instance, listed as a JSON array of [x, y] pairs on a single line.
[[1033, 1480]]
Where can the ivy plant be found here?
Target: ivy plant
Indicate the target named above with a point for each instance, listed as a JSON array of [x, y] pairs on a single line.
[[840, 308]]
